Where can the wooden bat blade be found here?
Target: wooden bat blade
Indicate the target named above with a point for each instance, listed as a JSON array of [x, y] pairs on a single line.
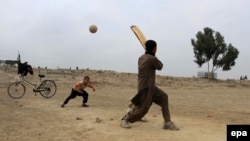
[[139, 35]]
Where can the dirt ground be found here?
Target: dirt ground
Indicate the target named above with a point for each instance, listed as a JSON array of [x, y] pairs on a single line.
[[201, 108]]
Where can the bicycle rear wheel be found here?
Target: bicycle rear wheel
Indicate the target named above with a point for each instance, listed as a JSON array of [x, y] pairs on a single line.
[[47, 88], [16, 90]]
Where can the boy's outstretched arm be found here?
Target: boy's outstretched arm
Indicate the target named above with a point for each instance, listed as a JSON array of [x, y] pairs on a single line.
[[91, 86]]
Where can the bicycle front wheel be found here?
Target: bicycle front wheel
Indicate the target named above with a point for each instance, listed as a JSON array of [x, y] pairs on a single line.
[[47, 88], [16, 90]]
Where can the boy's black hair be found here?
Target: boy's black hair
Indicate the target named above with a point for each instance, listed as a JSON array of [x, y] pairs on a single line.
[[150, 45], [86, 77]]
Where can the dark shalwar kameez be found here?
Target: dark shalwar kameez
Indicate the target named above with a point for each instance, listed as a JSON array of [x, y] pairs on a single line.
[[147, 91]]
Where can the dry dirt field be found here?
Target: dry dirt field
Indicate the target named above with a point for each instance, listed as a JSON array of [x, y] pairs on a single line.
[[201, 109]]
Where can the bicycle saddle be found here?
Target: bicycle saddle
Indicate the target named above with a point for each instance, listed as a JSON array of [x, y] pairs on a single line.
[[41, 75]]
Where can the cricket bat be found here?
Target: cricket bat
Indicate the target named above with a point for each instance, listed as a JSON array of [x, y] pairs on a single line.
[[139, 35]]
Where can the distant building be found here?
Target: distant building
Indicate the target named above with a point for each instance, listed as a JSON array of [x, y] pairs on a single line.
[[11, 62], [2, 63], [206, 74]]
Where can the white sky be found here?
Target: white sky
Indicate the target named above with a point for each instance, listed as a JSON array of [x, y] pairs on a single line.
[[54, 33]]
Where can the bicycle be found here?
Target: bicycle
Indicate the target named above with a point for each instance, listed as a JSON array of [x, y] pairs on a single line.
[[46, 87]]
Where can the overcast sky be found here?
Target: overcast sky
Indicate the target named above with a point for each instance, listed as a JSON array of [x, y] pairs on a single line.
[[54, 33]]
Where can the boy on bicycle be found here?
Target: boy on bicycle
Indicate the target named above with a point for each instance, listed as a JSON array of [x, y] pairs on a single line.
[[78, 90]]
